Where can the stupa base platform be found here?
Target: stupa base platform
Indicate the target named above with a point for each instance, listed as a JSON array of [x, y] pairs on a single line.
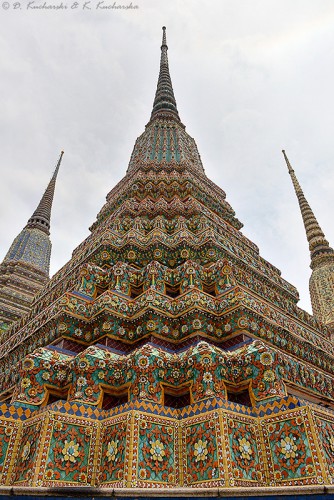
[[213, 447], [319, 492]]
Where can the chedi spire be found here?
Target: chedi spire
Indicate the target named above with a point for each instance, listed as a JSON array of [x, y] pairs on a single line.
[[41, 217], [164, 102], [165, 144], [318, 245], [25, 269], [322, 257]]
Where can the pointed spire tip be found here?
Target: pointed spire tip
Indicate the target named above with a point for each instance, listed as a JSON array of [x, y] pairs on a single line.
[[55, 173], [287, 161], [164, 40]]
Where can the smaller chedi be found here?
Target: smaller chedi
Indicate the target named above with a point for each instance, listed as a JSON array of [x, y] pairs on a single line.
[[25, 269], [322, 259], [167, 353]]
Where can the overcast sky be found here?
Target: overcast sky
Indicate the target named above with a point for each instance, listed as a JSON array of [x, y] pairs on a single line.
[[250, 78]]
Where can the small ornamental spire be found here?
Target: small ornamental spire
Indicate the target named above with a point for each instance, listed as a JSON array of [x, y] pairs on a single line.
[[164, 102], [41, 217], [318, 245]]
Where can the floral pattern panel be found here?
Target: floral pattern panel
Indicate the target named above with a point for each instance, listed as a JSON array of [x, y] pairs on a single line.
[[113, 452], [8, 433], [202, 462], [71, 451], [27, 454], [245, 463], [293, 455], [157, 458], [325, 427]]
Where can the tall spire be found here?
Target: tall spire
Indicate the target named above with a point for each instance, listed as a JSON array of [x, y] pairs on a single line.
[[322, 259], [318, 245], [164, 102], [25, 268], [40, 219]]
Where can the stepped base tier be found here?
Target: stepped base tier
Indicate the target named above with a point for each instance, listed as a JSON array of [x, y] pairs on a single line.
[[209, 444], [167, 356]]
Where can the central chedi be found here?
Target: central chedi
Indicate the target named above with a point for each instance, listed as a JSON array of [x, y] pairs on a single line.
[[167, 352]]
